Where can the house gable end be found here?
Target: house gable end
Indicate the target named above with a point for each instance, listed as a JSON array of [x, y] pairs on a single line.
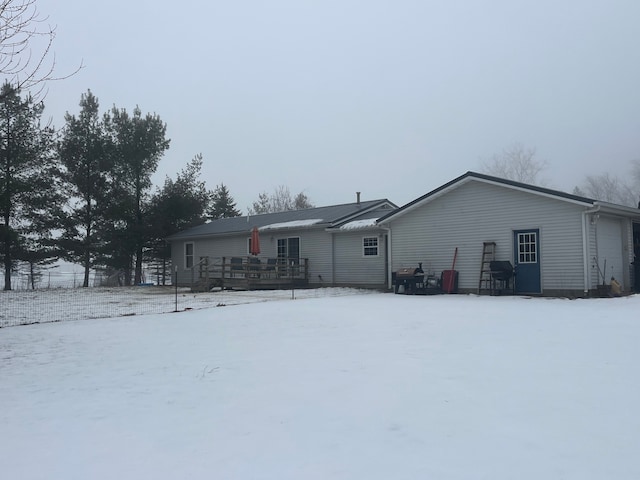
[[478, 177], [373, 211]]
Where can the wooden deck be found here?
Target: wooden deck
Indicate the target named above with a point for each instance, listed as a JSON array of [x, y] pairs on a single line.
[[249, 273]]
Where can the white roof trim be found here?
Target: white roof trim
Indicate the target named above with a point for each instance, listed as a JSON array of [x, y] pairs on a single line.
[[292, 224], [621, 210], [359, 224]]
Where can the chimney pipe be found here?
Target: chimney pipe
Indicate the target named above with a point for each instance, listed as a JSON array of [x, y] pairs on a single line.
[[358, 197]]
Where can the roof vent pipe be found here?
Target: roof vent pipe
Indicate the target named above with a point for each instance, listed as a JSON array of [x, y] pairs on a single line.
[[358, 198]]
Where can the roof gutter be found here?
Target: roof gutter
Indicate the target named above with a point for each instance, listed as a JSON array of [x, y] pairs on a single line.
[[585, 245]]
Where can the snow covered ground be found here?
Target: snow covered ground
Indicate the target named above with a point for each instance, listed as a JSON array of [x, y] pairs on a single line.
[[376, 386]]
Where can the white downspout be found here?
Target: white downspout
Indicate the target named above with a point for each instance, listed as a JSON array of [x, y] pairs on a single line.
[[389, 257], [333, 259], [585, 247]]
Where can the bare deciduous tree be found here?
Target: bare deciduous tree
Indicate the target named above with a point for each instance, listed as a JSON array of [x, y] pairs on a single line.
[[301, 201], [280, 201], [517, 163], [608, 188], [635, 174], [26, 40]]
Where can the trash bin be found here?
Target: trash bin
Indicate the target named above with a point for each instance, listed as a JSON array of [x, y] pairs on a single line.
[[449, 281]]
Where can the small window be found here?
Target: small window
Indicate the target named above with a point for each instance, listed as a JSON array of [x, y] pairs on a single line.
[[188, 255], [370, 246], [527, 243]]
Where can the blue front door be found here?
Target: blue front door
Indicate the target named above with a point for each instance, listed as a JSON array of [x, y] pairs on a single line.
[[526, 244]]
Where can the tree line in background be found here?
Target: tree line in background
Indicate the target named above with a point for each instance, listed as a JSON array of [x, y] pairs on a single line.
[[84, 194], [519, 163]]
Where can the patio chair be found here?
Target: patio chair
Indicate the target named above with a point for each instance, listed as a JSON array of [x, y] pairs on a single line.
[[236, 266], [270, 268], [255, 266]]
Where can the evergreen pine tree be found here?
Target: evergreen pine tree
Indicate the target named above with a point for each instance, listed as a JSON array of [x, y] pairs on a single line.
[[139, 144], [222, 205], [85, 151], [30, 199], [181, 203]]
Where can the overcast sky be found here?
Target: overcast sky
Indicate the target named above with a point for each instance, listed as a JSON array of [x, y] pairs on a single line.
[[390, 98]]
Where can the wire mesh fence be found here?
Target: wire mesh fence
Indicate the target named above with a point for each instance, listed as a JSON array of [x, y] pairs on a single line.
[[21, 307], [24, 307]]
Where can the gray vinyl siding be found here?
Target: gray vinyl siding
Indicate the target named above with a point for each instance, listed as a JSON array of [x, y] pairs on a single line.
[[478, 212], [215, 249], [212, 249], [352, 267], [609, 235], [324, 249], [315, 244], [629, 254], [610, 239]]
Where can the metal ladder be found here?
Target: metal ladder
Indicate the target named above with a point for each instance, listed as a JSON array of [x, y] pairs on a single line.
[[485, 285]]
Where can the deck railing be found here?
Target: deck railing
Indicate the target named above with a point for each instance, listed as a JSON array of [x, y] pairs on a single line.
[[249, 272]]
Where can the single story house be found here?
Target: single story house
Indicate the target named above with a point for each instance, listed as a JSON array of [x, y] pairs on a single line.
[[329, 246], [559, 243]]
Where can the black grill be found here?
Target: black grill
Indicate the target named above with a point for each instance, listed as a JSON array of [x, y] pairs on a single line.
[[414, 280], [501, 273]]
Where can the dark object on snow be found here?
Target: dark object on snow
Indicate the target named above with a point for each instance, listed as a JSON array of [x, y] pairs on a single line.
[[414, 281], [502, 273], [409, 278], [449, 281]]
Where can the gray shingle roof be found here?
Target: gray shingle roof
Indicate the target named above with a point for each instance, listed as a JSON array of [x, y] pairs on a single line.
[[325, 216]]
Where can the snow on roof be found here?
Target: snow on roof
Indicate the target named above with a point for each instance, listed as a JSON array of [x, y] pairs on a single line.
[[292, 224], [357, 224]]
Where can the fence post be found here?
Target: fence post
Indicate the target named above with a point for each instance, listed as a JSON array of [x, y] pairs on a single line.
[[293, 295], [176, 286]]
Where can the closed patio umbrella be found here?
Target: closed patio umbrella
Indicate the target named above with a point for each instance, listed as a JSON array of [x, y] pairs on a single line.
[[254, 247]]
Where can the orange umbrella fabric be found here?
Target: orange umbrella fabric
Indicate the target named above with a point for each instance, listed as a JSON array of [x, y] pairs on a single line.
[[254, 247]]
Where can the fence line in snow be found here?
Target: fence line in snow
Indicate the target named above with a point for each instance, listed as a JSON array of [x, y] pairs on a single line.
[[24, 307]]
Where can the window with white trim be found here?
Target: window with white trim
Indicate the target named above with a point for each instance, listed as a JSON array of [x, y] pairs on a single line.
[[527, 247], [289, 250], [370, 246], [188, 255]]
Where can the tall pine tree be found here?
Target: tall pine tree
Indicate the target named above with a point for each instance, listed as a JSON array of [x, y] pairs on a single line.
[[29, 189], [139, 144], [86, 153]]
